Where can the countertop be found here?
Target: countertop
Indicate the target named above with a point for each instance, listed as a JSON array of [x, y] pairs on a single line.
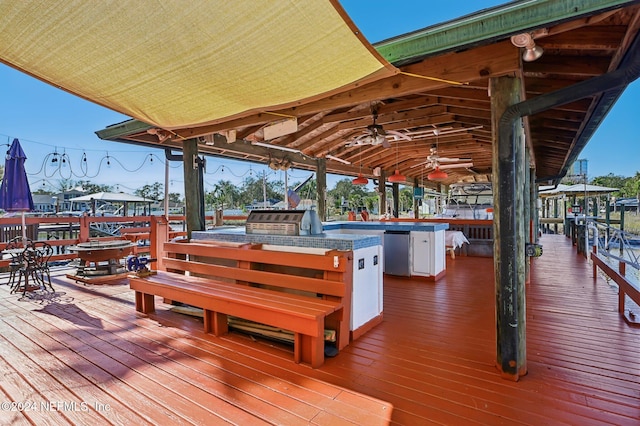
[[342, 241], [388, 226], [324, 241]]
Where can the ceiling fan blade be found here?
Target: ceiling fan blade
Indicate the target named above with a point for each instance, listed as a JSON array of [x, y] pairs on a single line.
[[398, 135], [453, 160], [428, 162], [360, 140], [456, 166]]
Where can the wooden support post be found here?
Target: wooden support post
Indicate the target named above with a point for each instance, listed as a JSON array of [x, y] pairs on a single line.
[[321, 188], [509, 231], [416, 206], [382, 193], [555, 214], [193, 190], [528, 214], [159, 234], [622, 296], [396, 200], [535, 214]]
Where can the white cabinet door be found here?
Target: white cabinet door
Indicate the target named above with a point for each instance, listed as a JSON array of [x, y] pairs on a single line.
[[422, 253], [366, 300]]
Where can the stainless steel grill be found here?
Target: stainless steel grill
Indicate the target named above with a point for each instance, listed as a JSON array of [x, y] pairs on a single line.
[[283, 222]]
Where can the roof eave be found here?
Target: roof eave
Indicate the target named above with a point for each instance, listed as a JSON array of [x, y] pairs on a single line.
[[488, 25]]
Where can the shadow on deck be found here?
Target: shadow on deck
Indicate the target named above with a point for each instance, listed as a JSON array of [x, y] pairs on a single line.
[[85, 356]]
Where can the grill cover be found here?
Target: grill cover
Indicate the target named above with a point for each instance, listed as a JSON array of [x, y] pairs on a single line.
[[284, 222]]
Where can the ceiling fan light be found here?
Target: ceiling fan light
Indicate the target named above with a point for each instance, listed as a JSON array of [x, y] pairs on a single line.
[[360, 180], [437, 175], [397, 177]]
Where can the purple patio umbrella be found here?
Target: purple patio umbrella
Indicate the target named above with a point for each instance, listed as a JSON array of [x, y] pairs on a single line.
[[15, 194]]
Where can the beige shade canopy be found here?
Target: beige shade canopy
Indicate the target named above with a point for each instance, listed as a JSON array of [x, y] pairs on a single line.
[[184, 63], [227, 73]]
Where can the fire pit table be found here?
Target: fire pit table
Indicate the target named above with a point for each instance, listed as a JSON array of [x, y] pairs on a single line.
[[100, 260]]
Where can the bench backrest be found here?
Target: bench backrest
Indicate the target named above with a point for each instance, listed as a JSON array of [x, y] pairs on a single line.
[[327, 274], [135, 230]]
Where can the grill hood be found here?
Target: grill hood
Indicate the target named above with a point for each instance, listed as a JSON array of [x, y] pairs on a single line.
[[284, 222]]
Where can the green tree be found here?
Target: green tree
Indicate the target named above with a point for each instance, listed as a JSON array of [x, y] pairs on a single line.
[[344, 190], [610, 180], [253, 189], [406, 198], [153, 192], [174, 197], [90, 187], [224, 195], [631, 187]]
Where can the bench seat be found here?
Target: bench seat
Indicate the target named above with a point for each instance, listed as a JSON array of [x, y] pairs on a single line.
[[302, 315]]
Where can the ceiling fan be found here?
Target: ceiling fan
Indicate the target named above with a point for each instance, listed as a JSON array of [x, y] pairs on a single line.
[[377, 135], [439, 131], [438, 164]]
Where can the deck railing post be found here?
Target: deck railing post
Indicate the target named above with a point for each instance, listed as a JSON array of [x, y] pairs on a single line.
[[83, 233], [622, 268]]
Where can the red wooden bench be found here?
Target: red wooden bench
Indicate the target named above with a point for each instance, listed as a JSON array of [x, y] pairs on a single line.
[[139, 235], [299, 292]]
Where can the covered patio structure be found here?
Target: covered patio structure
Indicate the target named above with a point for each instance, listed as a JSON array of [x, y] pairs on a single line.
[[117, 203], [473, 88]]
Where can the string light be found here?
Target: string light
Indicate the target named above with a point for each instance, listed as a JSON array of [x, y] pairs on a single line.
[[61, 164]]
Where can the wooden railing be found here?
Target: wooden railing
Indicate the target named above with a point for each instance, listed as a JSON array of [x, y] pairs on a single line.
[[63, 231], [625, 287]]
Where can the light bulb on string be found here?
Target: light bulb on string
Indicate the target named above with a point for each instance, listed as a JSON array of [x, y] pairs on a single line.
[[108, 160], [151, 158]]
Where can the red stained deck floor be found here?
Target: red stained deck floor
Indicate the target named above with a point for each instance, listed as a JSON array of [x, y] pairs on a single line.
[[86, 357]]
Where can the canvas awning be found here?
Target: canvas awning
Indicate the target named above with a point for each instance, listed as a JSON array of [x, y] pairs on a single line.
[[206, 60], [577, 189], [112, 197]]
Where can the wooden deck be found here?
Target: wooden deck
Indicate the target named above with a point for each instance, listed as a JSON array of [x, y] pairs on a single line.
[[86, 357]]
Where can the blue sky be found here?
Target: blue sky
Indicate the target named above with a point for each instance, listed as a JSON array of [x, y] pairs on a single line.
[[48, 120]]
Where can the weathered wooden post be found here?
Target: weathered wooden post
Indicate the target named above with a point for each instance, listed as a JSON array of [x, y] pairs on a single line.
[[382, 192], [321, 188], [193, 189], [509, 230], [396, 200]]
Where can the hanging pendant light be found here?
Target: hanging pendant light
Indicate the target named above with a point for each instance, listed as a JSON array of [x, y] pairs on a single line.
[[360, 180], [437, 175], [396, 177]]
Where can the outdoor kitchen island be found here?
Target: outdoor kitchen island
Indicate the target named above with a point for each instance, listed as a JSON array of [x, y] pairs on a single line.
[[366, 296], [415, 249], [425, 252]]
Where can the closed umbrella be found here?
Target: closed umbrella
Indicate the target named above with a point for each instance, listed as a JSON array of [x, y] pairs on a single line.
[[15, 194]]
